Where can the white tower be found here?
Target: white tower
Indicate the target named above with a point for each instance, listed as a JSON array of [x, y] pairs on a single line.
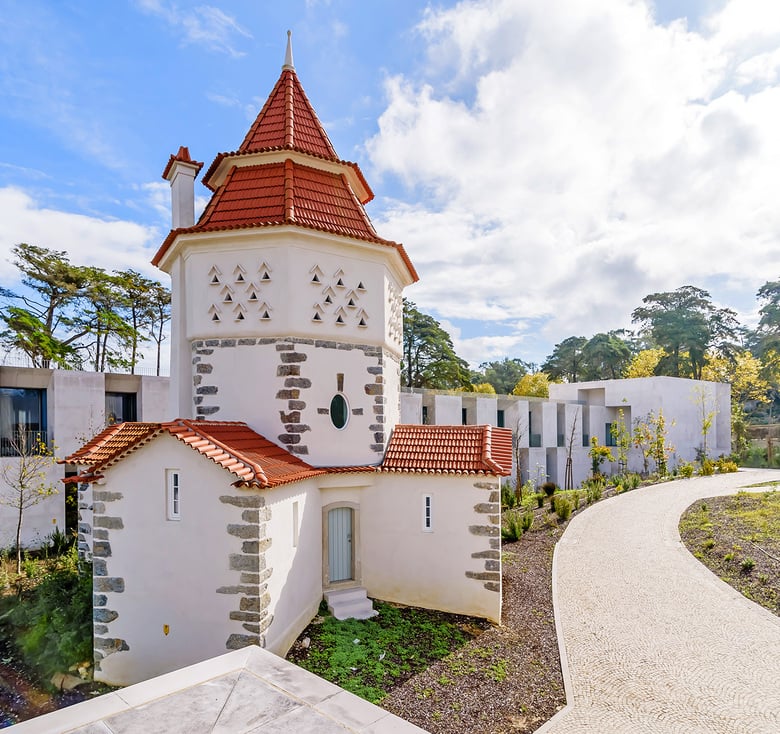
[[287, 307]]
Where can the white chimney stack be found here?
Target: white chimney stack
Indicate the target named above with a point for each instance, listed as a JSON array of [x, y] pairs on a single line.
[[181, 172]]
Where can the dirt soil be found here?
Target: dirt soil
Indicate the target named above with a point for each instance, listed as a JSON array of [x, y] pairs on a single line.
[[725, 542]]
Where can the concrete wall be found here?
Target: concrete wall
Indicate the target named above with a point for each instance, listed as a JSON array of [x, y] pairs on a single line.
[[75, 403]]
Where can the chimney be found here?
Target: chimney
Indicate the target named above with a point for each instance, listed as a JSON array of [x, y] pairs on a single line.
[[181, 172]]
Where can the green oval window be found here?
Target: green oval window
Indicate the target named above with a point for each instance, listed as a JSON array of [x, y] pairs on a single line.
[[338, 411]]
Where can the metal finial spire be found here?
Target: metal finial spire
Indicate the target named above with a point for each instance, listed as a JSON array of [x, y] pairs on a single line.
[[288, 57]]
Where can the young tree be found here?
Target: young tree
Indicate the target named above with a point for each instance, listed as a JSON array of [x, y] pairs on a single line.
[[568, 475], [429, 357], [707, 412], [520, 430], [598, 455], [26, 480], [622, 438]]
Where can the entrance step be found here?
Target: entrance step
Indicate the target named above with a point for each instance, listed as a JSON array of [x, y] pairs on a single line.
[[352, 603]]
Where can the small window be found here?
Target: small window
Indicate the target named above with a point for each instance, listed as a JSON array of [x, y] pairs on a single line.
[[425, 415], [464, 416], [120, 406], [500, 420], [427, 519], [339, 411], [173, 494], [609, 439], [22, 420]]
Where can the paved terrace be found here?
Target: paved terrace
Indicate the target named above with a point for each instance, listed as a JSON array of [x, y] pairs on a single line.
[[651, 640], [249, 690]]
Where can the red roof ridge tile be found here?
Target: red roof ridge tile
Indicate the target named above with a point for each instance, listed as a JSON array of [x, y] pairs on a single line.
[[183, 156]]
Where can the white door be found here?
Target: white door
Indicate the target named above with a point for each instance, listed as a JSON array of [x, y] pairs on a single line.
[[340, 544]]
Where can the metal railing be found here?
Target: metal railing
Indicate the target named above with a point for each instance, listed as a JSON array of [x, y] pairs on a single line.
[[23, 443]]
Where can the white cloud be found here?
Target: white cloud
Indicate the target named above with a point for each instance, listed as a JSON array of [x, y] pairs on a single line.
[[562, 160], [113, 245], [204, 25]]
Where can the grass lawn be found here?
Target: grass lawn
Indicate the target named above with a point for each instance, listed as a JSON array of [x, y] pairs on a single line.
[[369, 657], [738, 539]]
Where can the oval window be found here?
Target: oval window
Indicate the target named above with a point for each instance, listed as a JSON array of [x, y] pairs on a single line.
[[338, 411]]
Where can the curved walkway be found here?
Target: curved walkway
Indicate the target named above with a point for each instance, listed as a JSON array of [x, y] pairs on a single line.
[[651, 641]]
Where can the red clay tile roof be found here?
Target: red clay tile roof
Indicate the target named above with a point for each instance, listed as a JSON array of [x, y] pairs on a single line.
[[184, 156], [111, 442], [233, 445], [287, 193], [288, 120], [449, 450]]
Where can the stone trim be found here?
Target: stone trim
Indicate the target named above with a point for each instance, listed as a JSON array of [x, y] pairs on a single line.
[[251, 591], [103, 525], [291, 371], [490, 509]]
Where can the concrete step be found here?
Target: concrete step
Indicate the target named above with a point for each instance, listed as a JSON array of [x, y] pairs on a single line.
[[352, 603]]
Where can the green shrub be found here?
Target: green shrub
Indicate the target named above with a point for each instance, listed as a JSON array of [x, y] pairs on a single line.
[[508, 496], [707, 468], [575, 500], [549, 488], [594, 487], [686, 470], [562, 508], [747, 565], [539, 499], [634, 480], [512, 527], [52, 623], [527, 521], [726, 466]]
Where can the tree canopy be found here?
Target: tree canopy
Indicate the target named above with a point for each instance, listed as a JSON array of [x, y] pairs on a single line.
[[71, 315], [685, 324], [429, 359], [502, 374]]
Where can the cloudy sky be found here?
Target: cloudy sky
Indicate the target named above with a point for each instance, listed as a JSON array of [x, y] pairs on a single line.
[[546, 164]]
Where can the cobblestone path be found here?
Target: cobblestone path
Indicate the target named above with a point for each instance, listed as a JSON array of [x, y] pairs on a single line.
[[653, 641]]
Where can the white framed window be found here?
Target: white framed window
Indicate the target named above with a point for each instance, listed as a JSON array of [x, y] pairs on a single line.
[[173, 494], [427, 513]]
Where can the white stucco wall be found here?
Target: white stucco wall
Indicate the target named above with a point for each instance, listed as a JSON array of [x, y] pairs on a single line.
[[171, 569], [403, 563], [411, 408], [295, 557]]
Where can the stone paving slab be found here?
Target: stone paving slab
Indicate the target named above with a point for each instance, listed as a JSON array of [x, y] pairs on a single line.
[[652, 641], [248, 691]]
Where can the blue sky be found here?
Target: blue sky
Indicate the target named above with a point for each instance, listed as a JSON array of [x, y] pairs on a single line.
[[545, 164]]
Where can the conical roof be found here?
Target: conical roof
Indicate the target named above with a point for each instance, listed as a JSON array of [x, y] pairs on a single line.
[[286, 172]]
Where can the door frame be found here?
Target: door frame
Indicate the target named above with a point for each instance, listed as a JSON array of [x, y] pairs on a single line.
[[356, 579]]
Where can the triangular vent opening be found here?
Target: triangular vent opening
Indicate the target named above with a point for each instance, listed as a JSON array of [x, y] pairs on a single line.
[[239, 278], [215, 280], [328, 299], [360, 286], [339, 320], [266, 316], [362, 322], [265, 276], [215, 317], [253, 296], [228, 298], [340, 283], [316, 316], [239, 316], [315, 278], [351, 303]]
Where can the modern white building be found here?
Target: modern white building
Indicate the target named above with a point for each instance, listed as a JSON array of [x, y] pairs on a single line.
[[547, 430], [63, 408]]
